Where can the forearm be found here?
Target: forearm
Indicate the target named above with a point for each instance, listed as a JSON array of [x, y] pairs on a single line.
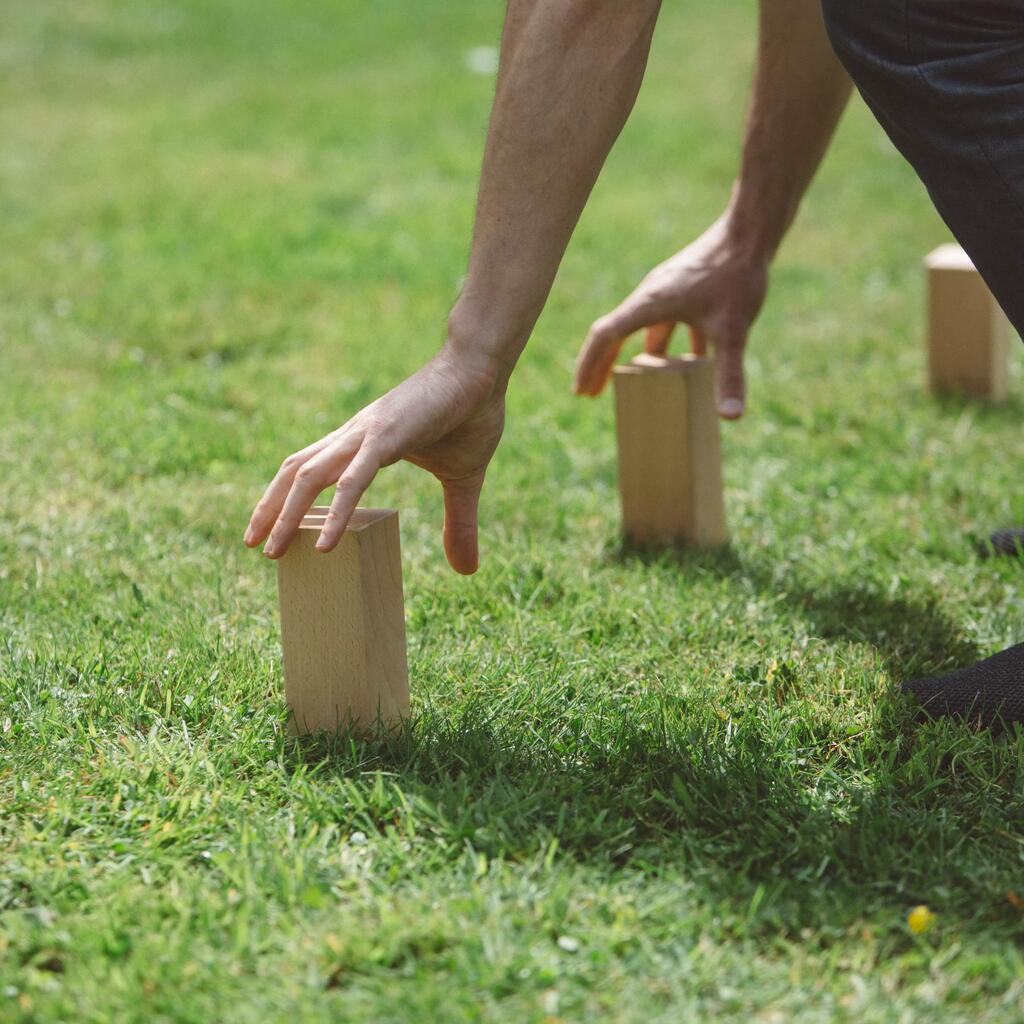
[[800, 91], [569, 74]]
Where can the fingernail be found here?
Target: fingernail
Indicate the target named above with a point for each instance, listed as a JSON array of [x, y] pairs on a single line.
[[248, 535], [731, 408], [268, 549]]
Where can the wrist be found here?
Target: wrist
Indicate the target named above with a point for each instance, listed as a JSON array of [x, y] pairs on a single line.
[[480, 346], [750, 232]]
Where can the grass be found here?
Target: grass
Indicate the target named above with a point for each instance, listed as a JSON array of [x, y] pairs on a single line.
[[633, 789]]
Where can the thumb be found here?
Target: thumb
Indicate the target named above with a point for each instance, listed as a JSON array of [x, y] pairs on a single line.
[[461, 504], [730, 382]]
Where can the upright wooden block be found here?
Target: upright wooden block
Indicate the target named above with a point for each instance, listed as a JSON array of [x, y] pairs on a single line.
[[670, 471], [343, 625], [968, 334]]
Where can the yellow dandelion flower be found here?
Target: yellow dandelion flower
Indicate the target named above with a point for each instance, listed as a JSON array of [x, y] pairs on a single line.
[[920, 919]]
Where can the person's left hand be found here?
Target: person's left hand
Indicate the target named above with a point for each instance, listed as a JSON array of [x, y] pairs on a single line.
[[715, 285]]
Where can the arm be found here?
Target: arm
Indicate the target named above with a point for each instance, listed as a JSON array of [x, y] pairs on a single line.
[[718, 283], [570, 71], [569, 75]]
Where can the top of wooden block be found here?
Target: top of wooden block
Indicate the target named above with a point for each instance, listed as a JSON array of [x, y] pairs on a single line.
[[948, 257], [645, 363], [361, 518]]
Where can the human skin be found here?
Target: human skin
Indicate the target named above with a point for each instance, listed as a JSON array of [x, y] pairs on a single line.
[[717, 284], [568, 75], [541, 161]]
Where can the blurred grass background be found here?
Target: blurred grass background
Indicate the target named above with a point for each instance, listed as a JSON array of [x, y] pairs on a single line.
[[634, 789]]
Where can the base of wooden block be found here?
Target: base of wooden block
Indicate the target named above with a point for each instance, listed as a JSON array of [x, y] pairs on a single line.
[[343, 626], [670, 475], [968, 333]]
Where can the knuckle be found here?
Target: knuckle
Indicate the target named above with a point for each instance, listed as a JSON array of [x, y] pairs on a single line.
[[372, 456], [307, 474], [375, 443]]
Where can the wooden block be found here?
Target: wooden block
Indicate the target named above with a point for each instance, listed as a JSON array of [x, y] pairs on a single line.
[[968, 334], [670, 471], [343, 625]]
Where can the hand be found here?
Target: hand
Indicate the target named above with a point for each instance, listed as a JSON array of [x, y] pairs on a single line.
[[714, 286], [447, 418]]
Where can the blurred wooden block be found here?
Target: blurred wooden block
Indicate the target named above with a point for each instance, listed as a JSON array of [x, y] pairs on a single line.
[[670, 472], [968, 334], [343, 625]]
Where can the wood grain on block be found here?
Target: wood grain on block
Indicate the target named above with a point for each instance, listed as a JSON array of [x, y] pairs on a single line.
[[968, 333], [670, 466], [343, 625]]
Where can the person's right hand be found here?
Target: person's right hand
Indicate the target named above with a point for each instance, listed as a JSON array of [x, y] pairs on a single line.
[[447, 418], [715, 286]]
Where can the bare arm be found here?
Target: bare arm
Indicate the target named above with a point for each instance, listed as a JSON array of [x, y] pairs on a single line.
[[569, 74], [718, 283], [800, 92]]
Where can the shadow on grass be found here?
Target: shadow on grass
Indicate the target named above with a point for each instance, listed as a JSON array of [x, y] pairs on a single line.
[[912, 637], [1008, 411], [826, 827], [768, 803]]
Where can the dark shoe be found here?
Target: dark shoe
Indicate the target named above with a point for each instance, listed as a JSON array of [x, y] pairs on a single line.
[[1004, 542], [988, 693]]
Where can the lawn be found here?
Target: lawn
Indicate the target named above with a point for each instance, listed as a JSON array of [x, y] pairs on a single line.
[[633, 789]]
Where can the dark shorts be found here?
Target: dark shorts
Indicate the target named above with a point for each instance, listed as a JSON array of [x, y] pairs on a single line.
[[946, 80]]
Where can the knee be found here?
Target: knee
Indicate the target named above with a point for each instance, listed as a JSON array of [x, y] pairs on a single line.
[[866, 34], [845, 23], [835, 13]]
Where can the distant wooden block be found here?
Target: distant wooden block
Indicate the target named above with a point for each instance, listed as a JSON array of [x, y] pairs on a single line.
[[968, 334], [343, 625], [670, 463]]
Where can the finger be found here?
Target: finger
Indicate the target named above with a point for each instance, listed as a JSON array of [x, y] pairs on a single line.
[[317, 473], [605, 340], [268, 508], [596, 358], [461, 508], [731, 384], [698, 343], [658, 337], [353, 482]]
